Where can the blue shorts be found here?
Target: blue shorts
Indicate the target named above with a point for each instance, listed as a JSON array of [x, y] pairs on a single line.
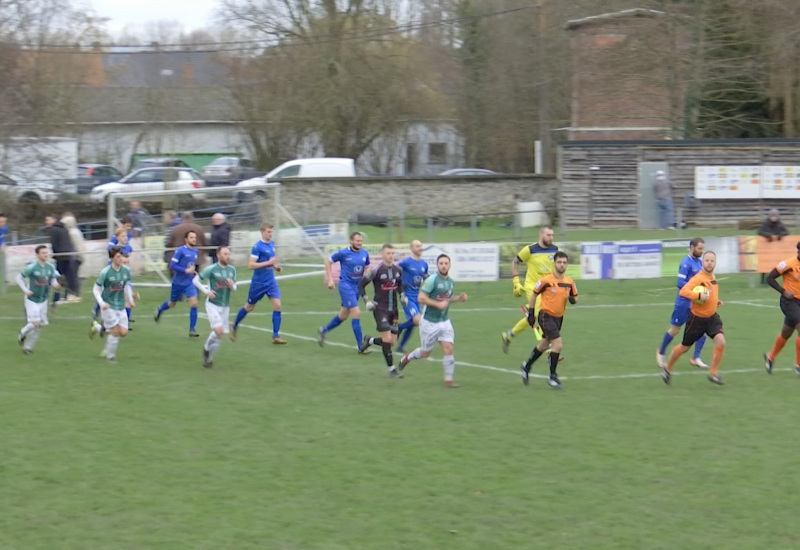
[[349, 296], [411, 309], [269, 289], [182, 291], [679, 315]]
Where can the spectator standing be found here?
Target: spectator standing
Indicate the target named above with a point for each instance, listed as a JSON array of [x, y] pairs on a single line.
[[78, 243], [64, 254], [138, 216], [662, 188], [220, 235], [773, 229]]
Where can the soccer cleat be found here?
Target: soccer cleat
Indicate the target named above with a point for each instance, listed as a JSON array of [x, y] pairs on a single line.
[[278, 341], [660, 360], [394, 373], [697, 362], [207, 359], [21, 338], [665, 375], [554, 382], [398, 349], [27, 351], [506, 341], [716, 379], [366, 342], [403, 363], [194, 334], [232, 335], [321, 336], [767, 363], [525, 374], [365, 352], [112, 360], [92, 331], [797, 370], [157, 315], [451, 384]]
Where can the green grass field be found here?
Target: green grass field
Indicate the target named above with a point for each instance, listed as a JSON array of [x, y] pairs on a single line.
[[298, 447]]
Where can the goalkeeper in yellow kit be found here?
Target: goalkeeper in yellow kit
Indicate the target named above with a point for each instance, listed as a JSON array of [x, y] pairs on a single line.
[[538, 258]]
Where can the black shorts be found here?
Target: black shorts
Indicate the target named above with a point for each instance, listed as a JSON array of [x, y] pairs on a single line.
[[791, 311], [550, 325], [385, 319], [696, 327]]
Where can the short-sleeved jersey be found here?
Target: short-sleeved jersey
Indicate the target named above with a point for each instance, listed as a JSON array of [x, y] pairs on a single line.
[[555, 293], [539, 261], [3, 232], [703, 279], [39, 279], [263, 252], [185, 257], [112, 242], [353, 263], [113, 283], [388, 282], [217, 277], [437, 288], [690, 266], [789, 270], [414, 272]]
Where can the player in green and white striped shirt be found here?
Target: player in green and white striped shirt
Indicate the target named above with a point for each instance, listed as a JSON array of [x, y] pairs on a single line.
[[113, 292], [35, 281], [436, 294], [221, 278]]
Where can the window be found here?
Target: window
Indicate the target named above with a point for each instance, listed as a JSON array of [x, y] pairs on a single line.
[[6, 180], [141, 177], [246, 163], [289, 172], [437, 153]]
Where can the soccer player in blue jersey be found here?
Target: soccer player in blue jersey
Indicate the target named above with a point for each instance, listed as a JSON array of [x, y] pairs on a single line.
[[415, 271], [183, 265], [127, 225], [264, 264], [690, 266], [353, 261]]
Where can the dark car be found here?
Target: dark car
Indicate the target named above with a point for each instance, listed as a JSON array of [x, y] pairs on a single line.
[[91, 175], [228, 171], [157, 162]]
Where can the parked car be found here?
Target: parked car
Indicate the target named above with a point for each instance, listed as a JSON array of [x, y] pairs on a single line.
[[39, 191], [160, 162], [227, 171], [92, 175], [468, 172], [300, 168], [151, 179]]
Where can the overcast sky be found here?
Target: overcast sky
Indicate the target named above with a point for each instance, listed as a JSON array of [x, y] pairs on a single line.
[[192, 14]]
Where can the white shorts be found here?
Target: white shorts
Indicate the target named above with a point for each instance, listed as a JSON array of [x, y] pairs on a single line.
[[114, 318], [430, 333], [218, 317], [36, 313]]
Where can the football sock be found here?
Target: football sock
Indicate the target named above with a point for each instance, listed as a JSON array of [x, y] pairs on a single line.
[[416, 354], [32, 338], [780, 341], [240, 317], [407, 325], [520, 327], [716, 359], [211, 338], [276, 323], [163, 307], [553, 362], [449, 363], [192, 318], [212, 345], [387, 353], [535, 354], [96, 310], [27, 328], [698, 347], [357, 331], [111, 346], [335, 322], [375, 341], [128, 312], [665, 342], [406, 336], [56, 297]]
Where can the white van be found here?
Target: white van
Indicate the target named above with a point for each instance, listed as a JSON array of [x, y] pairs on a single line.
[[321, 168]]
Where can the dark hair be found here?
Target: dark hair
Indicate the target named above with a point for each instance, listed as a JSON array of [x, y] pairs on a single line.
[[355, 234], [440, 256], [560, 254], [697, 240], [41, 246], [113, 251], [188, 232], [3, 215], [127, 219], [387, 246]]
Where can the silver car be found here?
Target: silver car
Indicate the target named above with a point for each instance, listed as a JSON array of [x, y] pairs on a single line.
[[227, 171]]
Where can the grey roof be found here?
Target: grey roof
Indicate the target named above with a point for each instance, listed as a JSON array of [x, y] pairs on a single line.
[[624, 14], [164, 69]]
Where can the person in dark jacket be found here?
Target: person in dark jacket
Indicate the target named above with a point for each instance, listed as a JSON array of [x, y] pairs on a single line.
[[177, 237], [773, 229], [64, 254], [220, 235]]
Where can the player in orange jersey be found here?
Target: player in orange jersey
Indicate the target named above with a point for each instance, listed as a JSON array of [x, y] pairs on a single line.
[[703, 319], [553, 291], [789, 271]]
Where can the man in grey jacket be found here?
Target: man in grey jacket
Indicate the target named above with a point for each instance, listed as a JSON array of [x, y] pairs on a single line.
[[662, 188]]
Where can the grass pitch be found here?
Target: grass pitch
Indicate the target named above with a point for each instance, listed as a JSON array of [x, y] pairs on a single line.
[[298, 447]]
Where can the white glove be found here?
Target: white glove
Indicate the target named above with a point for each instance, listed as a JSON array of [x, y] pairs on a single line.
[[371, 305]]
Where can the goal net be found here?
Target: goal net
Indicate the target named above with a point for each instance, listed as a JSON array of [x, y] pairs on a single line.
[[155, 215]]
